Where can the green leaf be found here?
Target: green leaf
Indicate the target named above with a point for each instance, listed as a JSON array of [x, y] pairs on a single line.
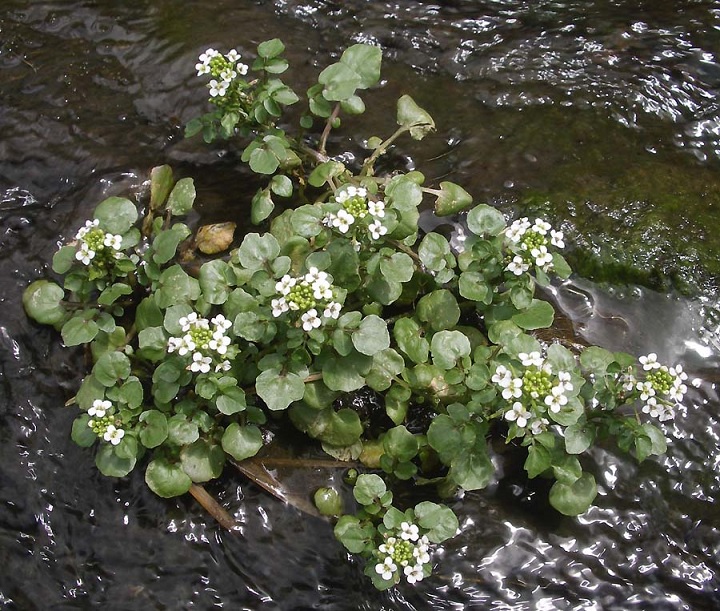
[[409, 336], [576, 498], [452, 199], [411, 116], [81, 433], [538, 460], [447, 347], [231, 401], [353, 105], [181, 431], [439, 309], [365, 61], [110, 464], [560, 358], [306, 221], [116, 215], [279, 391], [64, 259], [42, 301], [439, 520], [154, 430], [368, 488], [257, 250], [161, 181], [80, 329], [242, 442], [270, 48], [148, 314], [566, 469], [262, 206], [324, 171], [152, 343], [473, 469], [657, 438], [433, 251], [372, 336], [112, 293], [386, 365], [346, 373], [579, 437], [472, 285], [176, 287], [202, 461], [281, 185], [182, 197], [596, 360], [539, 315], [216, 281], [398, 268], [450, 438], [167, 480], [484, 220], [354, 535], [111, 367], [401, 444]]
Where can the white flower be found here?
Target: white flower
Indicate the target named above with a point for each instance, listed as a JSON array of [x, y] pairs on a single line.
[[217, 89], [542, 257], [329, 220], [286, 283], [556, 399], [232, 56], [113, 434], [556, 238], [99, 408], [518, 228], [377, 209], [332, 310], [410, 532], [219, 343], [224, 366], [279, 306], [665, 412], [85, 254], [651, 407], [113, 241], [343, 220], [649, 362], [534, 358], [386, 568], [388, 547], [200, 363], [541, 227], [187, 322], [83, 231], [413, 573], [513, 390], [678, 373], [310, 320], [538, 425], [518, 414], [221, 322], [208, 55], [202, 68], [241, 68], [227, 76], [377, 229], [646, 390], [502, 376], [315, 275], [517, 266]]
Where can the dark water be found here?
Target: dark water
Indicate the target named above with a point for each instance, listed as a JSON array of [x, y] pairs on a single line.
[[529, 97]]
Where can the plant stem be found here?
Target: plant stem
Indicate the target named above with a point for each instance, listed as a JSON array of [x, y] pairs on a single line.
[[328, 128], [367, 168], [210, 504]]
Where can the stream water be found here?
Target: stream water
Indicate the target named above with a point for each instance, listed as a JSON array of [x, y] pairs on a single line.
[[608, 110]]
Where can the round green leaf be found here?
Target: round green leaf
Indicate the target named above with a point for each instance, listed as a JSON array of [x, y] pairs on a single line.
[[155, 428], [433, 250], [111, 367], [257, 250], [576, 498], [182, 431], [398, 268], [42, 301], [401, 444], [116, 214], [216, 279], [439, 520], [447, 347], [368, 488], [279, 391], [202, 461], [539, 315], [182, 197], [372, 336], [354, 536], [110, 464], [167, 480], [82, 434], [409, 336], [80, 329], [242, 442], [484, 220], [440, 309]]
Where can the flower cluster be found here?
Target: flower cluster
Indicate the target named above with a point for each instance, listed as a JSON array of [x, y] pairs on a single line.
[[97, 248], [662, 390], [404, 552], [309, 295], [356, 207], [534, 394], [531, 243], [208, 346], [104, 423], [225, 85]]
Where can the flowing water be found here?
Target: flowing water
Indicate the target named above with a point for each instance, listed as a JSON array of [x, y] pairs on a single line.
[[602, 114]]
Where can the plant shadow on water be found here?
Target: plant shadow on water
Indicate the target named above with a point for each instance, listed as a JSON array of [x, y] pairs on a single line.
[[94, 95]]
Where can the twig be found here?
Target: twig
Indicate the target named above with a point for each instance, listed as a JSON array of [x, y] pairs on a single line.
[[209, 504]]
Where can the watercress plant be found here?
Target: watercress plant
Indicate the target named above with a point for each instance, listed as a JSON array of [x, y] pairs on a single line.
[[195, 358]]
